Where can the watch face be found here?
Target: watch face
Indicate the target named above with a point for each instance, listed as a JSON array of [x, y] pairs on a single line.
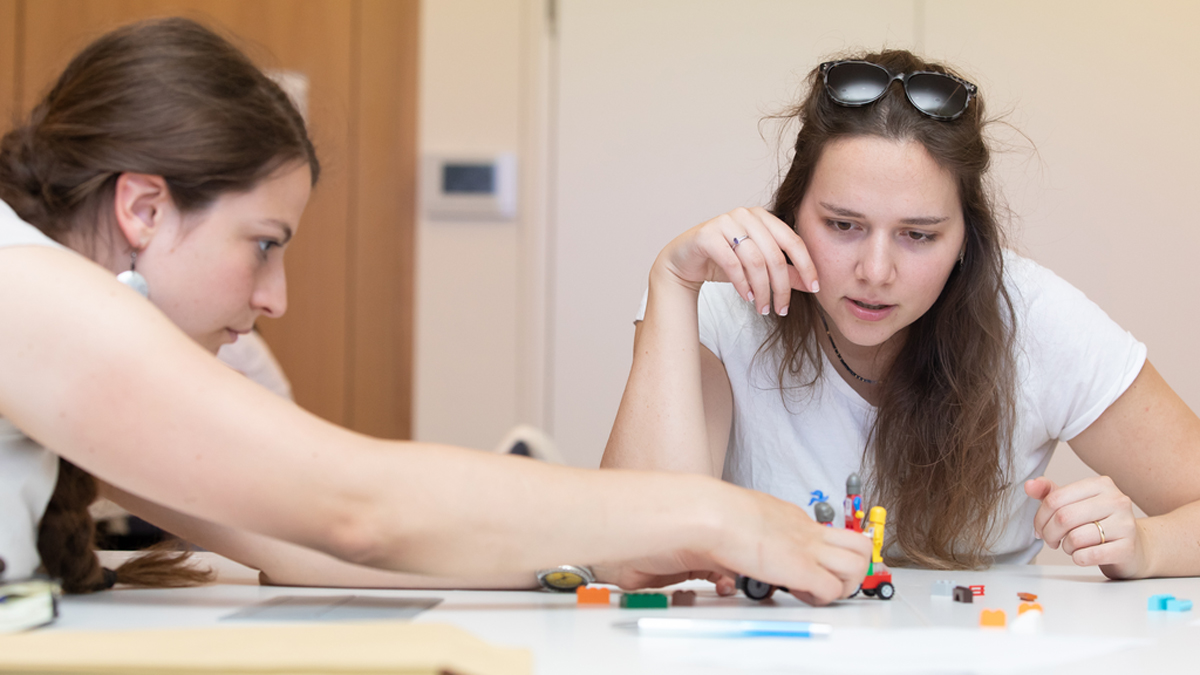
[[564, 580]]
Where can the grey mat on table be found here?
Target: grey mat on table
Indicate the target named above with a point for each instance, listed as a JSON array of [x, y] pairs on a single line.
[[333, 608]]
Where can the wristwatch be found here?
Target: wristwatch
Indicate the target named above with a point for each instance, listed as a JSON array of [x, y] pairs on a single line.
[[565, 578]]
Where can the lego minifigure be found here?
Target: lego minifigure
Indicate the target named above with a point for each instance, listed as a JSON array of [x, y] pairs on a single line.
[[853, 505]]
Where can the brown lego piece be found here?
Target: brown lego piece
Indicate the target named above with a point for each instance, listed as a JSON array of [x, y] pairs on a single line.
[[683, 598]]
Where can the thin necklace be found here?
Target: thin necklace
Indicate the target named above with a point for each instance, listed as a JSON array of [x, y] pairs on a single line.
[[839, 354]]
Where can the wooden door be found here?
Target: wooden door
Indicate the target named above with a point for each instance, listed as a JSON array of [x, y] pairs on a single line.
[[346, 341]]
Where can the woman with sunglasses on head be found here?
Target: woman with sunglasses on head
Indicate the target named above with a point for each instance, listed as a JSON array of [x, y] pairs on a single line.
[[164, 159], [870, 321]]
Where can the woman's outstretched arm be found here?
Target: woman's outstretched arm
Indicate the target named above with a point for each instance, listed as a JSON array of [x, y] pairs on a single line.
[[96, 373]]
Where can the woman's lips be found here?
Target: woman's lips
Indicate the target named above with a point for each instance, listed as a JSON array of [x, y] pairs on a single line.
[[869, 311]]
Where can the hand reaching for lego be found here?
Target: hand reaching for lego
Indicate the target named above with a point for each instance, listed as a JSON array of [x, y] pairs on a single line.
[[1093, 521], [776, 543], [659, 572]]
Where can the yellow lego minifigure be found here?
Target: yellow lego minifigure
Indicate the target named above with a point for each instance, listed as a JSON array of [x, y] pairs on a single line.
[[877, 519]]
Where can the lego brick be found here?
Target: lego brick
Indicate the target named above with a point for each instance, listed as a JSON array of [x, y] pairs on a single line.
[[992, 618], [643, 601], [1179, 606], [1028, 606], [1027, 597], [683, 598], [963, 594], [1159, 602], [976, 590], [592, 595], [943, 588]]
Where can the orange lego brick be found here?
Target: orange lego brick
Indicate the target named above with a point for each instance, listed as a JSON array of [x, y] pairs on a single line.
[[1026, 606], [1027, 597], [590, 595], [992, 618]]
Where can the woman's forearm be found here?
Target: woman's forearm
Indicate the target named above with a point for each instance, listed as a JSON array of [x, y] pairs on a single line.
[[285, 564], [508, 513], [1171, 543], [661, 423]]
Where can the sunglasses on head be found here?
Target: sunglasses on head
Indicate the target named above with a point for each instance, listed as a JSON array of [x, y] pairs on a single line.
[[858, 83]]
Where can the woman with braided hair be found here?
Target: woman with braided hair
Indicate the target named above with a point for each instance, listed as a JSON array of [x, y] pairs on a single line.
[[147, 204]]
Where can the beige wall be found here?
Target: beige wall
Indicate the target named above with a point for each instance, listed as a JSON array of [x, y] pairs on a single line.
[[654, 118], [467, 272]]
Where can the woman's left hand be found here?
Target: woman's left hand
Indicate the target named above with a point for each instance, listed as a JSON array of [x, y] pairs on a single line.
[[1093, 521]]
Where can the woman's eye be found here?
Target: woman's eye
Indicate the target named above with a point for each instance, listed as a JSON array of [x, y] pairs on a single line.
[[920, 236], [265, 245], [840, 225]]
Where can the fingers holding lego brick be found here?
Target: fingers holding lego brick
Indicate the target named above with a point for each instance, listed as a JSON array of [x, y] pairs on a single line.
[[786, 548]]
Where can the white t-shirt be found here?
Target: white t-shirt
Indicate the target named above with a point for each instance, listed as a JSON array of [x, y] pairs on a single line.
[[1073, 361], [28, 471]]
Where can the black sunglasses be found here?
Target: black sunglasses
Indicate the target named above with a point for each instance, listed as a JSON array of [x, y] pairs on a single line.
[[858, 83]]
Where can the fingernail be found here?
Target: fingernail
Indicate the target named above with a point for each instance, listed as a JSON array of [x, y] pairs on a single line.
[[765, 310], [816, 286], [750, 296], [1036, 535], [783, 312]]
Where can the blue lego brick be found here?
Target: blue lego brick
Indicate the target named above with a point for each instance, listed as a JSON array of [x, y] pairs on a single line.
[[1158, 603], [1168, 603]]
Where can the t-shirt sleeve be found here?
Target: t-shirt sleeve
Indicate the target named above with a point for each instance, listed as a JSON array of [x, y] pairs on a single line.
[[1080, 360], [16, 232], [714, 312]]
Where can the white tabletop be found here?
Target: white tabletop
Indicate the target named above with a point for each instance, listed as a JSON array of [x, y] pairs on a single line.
[[1091, 625]]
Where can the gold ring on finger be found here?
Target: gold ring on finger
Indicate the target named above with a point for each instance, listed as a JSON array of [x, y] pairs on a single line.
[[1102, 539]]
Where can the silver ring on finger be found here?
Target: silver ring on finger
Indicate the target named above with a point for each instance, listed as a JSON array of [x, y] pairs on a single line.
[[737, 240]]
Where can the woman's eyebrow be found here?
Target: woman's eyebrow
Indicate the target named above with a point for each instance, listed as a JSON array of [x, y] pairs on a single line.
[[840, 211], [917, 220]]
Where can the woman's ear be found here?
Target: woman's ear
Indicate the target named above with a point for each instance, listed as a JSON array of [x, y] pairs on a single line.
[[140, 203]]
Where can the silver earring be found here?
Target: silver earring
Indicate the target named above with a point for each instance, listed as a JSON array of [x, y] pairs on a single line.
[[133, 279]]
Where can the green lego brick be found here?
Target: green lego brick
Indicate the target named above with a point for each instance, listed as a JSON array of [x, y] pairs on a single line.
[[644, 601]]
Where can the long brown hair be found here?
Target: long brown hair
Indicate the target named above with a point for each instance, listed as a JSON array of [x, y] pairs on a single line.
[[166, 97], [939, 443]]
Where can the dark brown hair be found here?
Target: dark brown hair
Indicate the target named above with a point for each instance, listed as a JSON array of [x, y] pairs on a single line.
[[943, 424], [166, 97]]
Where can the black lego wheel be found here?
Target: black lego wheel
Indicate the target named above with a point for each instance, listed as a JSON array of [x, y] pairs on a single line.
[[755, 589], [886, 591]]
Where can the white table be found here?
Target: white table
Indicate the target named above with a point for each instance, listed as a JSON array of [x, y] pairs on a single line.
[[1091, 625]]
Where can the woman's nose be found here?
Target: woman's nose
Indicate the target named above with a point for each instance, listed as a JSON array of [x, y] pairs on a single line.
[[270, 295]]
